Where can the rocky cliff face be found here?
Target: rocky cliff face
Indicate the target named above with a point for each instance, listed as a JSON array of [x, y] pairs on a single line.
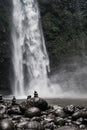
[[5, 42], [64, 23]]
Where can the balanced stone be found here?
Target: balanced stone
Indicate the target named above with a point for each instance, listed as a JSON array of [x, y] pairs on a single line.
[[35, 94], [14, 101], [1, 99], [28, 97]]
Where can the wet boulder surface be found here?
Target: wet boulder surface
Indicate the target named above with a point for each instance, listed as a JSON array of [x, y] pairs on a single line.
[[36, 114], [6, 124], [32, 112]]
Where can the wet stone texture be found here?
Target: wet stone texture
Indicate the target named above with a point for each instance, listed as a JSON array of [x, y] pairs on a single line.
[[36, 114]]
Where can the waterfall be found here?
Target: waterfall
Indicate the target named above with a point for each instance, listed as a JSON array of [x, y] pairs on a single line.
[[30, 58]]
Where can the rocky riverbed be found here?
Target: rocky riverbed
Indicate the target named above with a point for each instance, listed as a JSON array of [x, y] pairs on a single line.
[[36, 114]]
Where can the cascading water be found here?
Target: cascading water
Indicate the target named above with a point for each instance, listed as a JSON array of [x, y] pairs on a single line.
[[30, 58]]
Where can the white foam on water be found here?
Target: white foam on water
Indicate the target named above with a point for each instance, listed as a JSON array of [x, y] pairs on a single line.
[[30, 58]]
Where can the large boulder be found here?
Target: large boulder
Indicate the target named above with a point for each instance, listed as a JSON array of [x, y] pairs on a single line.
[[38, 102], [78, 114], [34, 125], [70, 109], [6, 125], [32, 112], [59, 112], [34, 102]]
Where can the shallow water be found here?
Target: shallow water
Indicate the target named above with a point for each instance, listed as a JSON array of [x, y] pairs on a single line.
[[61, 101], [66, 101]]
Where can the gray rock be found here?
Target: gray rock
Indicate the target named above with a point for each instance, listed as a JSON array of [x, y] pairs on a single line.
[[48, 120], [21, 125], [32, 112], [34, 125], [49, 126], [79, 114], [76, 115], [2, 109], [23, 106], [39, 102], [16, 117], [60, 121], [6, 125], [82, 127], [14, 110], [59, 112], [70, 109], [67, 128], [36, 119]]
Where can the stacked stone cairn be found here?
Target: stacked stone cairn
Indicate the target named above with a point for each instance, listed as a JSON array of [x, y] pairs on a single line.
[[34, 113]]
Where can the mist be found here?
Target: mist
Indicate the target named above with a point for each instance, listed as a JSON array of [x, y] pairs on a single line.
[[71, 77]]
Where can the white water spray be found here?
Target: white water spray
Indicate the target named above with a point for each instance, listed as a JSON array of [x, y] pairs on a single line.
[[30, 58]]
